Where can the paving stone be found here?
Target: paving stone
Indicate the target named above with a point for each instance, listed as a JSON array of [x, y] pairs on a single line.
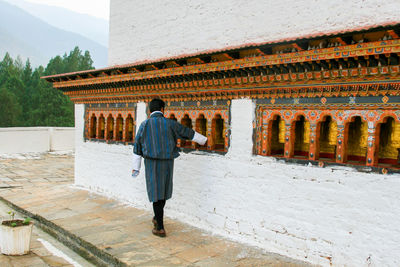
[[124, 247], [194, 254], [167, 262], [55, 261], [106, 237], [27, 261], [78, 222], [142, 255], [52, 214], [5, 261], [93, 230], [41, 251], [215, 262], [168, 246]]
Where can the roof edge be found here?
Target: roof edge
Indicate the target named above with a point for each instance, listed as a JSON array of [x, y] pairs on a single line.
[[228, 48]]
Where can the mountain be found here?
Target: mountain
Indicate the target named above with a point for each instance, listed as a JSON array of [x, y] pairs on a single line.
[[91, 27], [17, 47], [30, 37]]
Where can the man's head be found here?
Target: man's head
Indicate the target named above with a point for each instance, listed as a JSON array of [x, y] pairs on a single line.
[[156, 105]]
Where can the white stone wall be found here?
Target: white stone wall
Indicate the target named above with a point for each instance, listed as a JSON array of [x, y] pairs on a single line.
[[149, 30], [62, 138], [324, 216], [321, 215], [14, 140]]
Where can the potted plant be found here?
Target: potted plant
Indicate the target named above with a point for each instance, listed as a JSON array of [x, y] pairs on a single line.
[[15, 236]]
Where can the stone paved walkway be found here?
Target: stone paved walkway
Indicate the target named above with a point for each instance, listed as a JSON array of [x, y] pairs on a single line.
[[43, 186]]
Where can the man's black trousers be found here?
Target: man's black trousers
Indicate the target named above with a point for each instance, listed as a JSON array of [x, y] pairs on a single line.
[[158, 208]]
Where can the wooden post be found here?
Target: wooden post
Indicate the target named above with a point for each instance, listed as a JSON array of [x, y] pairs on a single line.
[[115, 130], [265, 147], [123, 137], [95, 128], [89, 128], [341, 143], [314, 142], [106, 129], [373, 144], [98, 128], [210, 142], [290, 136]]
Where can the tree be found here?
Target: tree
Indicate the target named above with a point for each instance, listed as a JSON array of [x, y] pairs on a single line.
[[86, 62], [27, 73], [55, 109], [27, 100], [5, 68], [10, 109], [55, 66], [72, 62]]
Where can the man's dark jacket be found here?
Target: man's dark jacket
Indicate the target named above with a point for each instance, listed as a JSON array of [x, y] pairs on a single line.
[[157, 136]]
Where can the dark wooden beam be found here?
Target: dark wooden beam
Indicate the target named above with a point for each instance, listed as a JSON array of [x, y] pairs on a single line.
[[296, 46], [341, 41], [393, 34]]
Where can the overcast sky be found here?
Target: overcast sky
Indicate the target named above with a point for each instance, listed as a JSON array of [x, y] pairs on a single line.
[[97, 8]]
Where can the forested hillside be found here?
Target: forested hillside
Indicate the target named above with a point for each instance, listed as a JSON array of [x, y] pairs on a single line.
[[27, 100]]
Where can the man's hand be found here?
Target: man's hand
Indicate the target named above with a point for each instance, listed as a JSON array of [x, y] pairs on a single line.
[[199, 138], [135, 173], [136, 165]]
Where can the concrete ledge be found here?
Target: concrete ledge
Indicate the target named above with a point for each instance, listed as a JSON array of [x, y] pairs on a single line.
[[31, 129], [36, 139], [85, 249]]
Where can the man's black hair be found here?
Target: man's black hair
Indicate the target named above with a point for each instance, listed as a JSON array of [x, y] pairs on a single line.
[[156, 105]]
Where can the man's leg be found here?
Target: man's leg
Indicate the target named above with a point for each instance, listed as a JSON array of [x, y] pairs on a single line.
[[158, 208]]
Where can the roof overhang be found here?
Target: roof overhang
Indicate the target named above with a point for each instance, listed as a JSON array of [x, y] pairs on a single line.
[[354, 63], [225, 53]]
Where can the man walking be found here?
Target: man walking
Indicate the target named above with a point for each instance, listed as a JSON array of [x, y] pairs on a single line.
[[156, 143]]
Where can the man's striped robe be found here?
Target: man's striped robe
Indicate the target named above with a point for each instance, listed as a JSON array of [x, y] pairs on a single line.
[[156, 143]]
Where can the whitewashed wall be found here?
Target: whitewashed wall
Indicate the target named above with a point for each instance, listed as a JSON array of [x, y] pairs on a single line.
[[148, 30], [36, 139], [320, 215], [325, 216]]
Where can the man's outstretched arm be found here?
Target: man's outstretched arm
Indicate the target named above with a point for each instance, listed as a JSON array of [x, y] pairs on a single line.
[[188, 134]]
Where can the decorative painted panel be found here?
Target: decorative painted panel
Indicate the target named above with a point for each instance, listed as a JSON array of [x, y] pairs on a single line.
[[122, 116]]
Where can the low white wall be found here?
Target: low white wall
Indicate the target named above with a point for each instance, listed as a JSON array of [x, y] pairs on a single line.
[[36, 139], [321, 215], [62, 138]]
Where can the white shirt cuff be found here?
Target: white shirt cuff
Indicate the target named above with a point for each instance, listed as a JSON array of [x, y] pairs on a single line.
[[136, 162], [199, 138]]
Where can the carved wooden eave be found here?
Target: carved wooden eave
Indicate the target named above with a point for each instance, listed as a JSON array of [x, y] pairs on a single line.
[[362, 69]]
